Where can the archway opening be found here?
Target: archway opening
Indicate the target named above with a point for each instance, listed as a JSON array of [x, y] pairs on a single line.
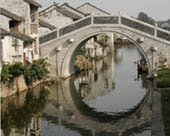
[[123, 37]]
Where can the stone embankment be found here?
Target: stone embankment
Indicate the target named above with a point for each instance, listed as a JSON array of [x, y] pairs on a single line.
[[20, 85]]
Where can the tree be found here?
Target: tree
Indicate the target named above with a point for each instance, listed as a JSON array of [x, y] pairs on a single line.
[[145, 18]]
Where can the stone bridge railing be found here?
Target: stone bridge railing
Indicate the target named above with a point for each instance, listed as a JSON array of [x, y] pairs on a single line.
[[135, 24]]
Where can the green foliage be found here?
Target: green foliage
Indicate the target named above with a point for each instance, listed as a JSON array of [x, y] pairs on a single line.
[[165, 72], [28, 76], [163, 83], [5, 73], [37, 71], [81, 52], [163, 78], [16, 69], [165, 95], [145, 18], [6, 124]]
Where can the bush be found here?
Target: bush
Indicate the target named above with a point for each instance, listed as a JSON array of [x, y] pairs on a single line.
[[165, 95], [37, 71], [5, 73], [16, 69], [163, 78], [28, 76], [163, 82]]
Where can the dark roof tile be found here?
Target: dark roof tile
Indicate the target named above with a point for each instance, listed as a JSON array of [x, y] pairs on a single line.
[[11, 15], [45, 24], [34, 3]]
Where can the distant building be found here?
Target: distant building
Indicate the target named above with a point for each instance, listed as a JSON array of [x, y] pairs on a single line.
[[19, 31], [59, 16], [45, 27], [90, 9]]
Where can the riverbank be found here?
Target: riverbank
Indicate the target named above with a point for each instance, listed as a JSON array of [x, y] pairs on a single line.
[[165, 100], [161, 102], [18, 77], [20, 86], [157, 119]]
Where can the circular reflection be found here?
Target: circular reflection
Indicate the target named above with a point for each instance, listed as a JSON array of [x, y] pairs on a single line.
[[112, 87]]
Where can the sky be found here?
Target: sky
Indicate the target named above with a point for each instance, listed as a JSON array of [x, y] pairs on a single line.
[[157, 9]]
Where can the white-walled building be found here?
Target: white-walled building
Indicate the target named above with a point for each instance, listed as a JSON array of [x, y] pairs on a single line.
[[88, 8], [19, 30], [59, 16]]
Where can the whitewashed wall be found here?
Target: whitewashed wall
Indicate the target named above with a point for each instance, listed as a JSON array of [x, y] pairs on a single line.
[[88, 9], [9, 51], [20, 8], [55, 18]]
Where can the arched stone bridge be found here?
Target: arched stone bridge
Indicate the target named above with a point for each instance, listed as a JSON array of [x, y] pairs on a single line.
[[60, 46]]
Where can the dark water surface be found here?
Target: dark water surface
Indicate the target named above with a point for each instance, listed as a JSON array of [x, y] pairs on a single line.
[[110, 100]]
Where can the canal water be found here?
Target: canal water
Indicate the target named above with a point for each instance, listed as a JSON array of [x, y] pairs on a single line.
[[110, 100]]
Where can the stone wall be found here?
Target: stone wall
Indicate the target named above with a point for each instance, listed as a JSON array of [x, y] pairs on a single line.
[[138, 26], [18, 86], [12, 49], [43, 31], [75, 26], [55, 18], [4, 22], [20, 8]]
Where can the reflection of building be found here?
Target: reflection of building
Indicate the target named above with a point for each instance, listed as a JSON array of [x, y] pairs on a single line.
[[75, 115], [98, 81], [27, 107], [33, 129]]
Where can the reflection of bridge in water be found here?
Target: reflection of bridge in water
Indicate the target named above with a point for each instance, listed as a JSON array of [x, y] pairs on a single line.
[[67, 106]]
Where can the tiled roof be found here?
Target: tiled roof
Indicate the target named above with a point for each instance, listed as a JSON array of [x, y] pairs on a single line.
[[21, 36], [34, 3], [16, 34], [93, 7], [45, 24], [3, 32], [64, 11], [66, 4], [11, 15], [69, 14]]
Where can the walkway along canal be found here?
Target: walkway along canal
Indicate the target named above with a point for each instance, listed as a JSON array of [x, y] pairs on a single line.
[[109, 100]]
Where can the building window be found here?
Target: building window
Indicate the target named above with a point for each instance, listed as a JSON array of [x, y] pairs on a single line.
[[14, 25]]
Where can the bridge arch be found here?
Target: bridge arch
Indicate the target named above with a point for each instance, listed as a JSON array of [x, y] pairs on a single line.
[[67, 67]]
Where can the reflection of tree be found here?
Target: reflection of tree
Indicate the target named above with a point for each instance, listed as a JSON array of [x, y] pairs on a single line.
[[21, 117]]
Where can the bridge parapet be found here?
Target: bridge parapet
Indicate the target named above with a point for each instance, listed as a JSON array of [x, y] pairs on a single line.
[[121, 20], [75, 26], [50, 36]]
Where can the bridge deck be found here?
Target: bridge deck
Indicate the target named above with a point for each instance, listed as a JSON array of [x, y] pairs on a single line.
[[121, 20]]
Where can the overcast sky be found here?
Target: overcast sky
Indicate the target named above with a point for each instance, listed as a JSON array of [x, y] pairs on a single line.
[[158, 9]]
